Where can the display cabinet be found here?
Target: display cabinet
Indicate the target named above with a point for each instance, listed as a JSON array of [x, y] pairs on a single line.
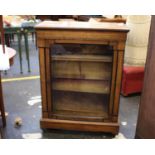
[[81, 69]]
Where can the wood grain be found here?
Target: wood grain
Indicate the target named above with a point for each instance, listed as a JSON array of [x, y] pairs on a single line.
[[43, 78], [81, 70], [82, 25], [48, 79], [80, 104], [90, 86], [85, 58], [80, 125]]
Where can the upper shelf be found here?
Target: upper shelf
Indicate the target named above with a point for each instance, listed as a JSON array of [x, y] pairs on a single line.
[[82, 25], [85, 58]]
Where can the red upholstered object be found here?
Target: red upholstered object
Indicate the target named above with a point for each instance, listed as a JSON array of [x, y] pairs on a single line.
[[132, 81]]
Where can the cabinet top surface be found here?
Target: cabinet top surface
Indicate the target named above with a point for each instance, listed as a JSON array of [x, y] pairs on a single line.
[[73, 25]]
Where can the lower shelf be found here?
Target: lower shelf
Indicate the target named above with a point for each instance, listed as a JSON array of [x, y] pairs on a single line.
[[80, 106]]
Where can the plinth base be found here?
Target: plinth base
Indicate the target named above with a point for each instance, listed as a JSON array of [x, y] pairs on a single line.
[[112, 127]]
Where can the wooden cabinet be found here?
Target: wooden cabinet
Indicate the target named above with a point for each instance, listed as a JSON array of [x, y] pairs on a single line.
[[81, 69]]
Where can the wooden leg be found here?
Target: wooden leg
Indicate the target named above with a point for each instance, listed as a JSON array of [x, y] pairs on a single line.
[[2, 105], [7, 40], [27, 49], [20, 52]]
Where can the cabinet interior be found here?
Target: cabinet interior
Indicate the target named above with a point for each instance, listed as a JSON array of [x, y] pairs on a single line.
[[81, 81]]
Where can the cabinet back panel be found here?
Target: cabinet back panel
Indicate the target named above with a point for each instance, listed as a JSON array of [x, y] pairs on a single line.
[[81, 70]]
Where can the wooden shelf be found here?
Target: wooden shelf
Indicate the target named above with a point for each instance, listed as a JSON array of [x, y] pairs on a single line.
[[83, 106], [88, 86], [81, 70], [85, 58]]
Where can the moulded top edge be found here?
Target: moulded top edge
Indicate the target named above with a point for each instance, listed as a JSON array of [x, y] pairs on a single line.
[[82, 25]]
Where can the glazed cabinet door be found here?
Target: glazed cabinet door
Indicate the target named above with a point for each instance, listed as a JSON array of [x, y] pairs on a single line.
[[81, 81]]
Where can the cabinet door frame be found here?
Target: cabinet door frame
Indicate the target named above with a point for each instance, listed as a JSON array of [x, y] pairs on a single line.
[[115, 85]]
